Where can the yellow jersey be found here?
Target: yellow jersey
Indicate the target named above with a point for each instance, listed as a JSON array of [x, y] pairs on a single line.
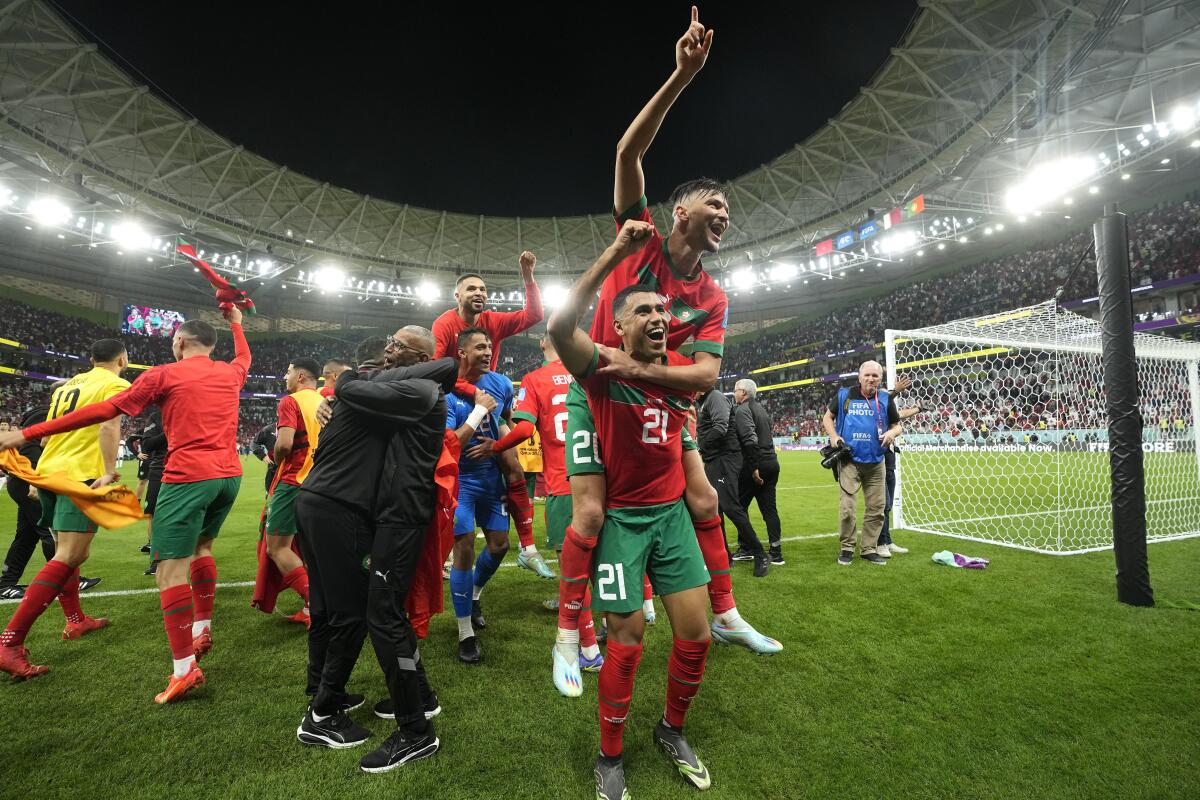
[[529, 453], [77, 453]]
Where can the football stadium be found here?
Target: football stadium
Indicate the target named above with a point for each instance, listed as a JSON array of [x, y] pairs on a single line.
[[857, 428]]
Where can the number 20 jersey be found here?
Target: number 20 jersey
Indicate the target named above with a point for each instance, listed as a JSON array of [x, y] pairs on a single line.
[[640, 426], [543, 401]]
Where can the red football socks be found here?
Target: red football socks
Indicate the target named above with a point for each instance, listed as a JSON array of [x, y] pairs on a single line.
[[685, 669], [177, 619], [616, 691], [297, 581], [647, 589], [712, 545], [587, 628], [204, 587], [575, 567], [522, 511], [68, 598], [44, 587]]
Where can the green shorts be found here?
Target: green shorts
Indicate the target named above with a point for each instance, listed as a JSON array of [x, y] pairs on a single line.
[[658, 541], [61, 514], [583, 445], [558, 517], [281, 510], [188, 512]]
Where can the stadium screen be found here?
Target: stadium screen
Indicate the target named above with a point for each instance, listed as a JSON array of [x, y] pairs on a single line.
[[149, 321]]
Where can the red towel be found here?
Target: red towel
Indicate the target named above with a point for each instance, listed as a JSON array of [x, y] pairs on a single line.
[[425, 597]]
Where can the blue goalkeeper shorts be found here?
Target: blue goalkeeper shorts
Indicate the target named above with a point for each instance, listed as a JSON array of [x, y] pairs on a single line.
[[482, 502]]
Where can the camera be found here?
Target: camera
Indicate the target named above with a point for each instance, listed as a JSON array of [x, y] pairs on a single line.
[[832, 456]]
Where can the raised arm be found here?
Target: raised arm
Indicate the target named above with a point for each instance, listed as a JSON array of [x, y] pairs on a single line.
[[241, 348], [575, 347], [691, 51], [513, 322]]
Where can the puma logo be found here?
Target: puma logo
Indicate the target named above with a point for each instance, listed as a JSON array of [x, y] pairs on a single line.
[[383, 575]]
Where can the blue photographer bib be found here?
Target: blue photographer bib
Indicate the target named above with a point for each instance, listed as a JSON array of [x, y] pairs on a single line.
[[862, 423]]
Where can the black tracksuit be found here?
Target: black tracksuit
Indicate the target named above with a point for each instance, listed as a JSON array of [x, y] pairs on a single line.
[[264, 448], [366, 506], [154, 445], [721, 439], [759, 453], [29, 512]]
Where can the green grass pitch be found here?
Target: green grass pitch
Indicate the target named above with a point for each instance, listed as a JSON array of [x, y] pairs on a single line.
[[906, 681]]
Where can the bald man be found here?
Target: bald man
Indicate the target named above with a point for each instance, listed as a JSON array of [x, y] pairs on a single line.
[[866, 420]]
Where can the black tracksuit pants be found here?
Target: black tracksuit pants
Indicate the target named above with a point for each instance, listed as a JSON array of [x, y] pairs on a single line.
[[336, 541], [393, 563], [724, 473], [765, 496], [29, 532]]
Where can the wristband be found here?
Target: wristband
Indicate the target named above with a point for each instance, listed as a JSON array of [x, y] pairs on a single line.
[[476, 416]]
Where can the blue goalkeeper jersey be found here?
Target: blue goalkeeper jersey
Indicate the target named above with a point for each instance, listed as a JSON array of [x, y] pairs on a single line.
[[457, 411]]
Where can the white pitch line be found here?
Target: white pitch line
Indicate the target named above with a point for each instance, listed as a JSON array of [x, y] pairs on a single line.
[[244, 584]]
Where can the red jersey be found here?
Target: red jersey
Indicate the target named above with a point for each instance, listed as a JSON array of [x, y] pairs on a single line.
[[498, 324], [326, 391], [641, 427], [543, 401], [290, 416], [697, 305], [199, 400]]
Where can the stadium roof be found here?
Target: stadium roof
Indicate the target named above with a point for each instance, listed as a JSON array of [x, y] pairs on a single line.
[[977, 92]]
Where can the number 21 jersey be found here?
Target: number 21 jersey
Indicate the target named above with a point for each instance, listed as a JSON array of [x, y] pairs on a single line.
[[640, 426]]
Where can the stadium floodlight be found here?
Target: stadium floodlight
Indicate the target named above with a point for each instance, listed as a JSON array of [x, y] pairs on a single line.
[[130, 236], [1195, 142], [743, 278], [1050, 181], [783, 273], [1125, 176], [428, 292], [1183, 118], [328, 278], [554, 295], [49, 211], [1165, 161], [1147, 128]]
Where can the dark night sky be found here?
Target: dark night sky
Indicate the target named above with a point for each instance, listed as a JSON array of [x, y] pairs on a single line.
[[497, 109]]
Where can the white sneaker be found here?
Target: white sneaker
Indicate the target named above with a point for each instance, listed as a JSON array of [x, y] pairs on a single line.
[[883, 551], [895, 548]]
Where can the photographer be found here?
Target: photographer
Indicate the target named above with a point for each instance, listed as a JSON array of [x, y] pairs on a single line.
[[864, 419]]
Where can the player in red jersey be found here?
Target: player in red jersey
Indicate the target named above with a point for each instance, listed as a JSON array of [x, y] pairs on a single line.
[[199, 401], [698, 310], [647, 530], [297, 434], [542, 406], [472, 296]]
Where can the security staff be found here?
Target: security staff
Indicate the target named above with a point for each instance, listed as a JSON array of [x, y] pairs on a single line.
[[721, 439], [760, 465]]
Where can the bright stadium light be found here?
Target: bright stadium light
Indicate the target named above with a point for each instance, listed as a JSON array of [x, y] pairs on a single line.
[[554, 295], [1049, 182], [1183, 118], [783, 272], [328, 278], [130, 236], [743, 279], [427, 292], [49, 211]]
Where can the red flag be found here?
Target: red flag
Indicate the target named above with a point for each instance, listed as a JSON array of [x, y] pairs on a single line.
[[227, 292], [824, 247]]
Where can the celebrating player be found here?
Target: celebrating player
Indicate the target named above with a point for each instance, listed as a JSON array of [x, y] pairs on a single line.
[[647, 530], [542, 406], [85, 454], [296, 436], [199, 401], [472, 296], [698, 309], [480, 488]]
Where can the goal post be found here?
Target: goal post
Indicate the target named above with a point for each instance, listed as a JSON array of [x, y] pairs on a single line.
[[1014, 450]]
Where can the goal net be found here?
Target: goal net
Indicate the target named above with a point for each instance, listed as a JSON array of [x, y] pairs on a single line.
[[1013, 449]]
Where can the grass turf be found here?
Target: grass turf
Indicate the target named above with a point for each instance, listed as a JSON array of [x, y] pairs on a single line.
[[910, 680]]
